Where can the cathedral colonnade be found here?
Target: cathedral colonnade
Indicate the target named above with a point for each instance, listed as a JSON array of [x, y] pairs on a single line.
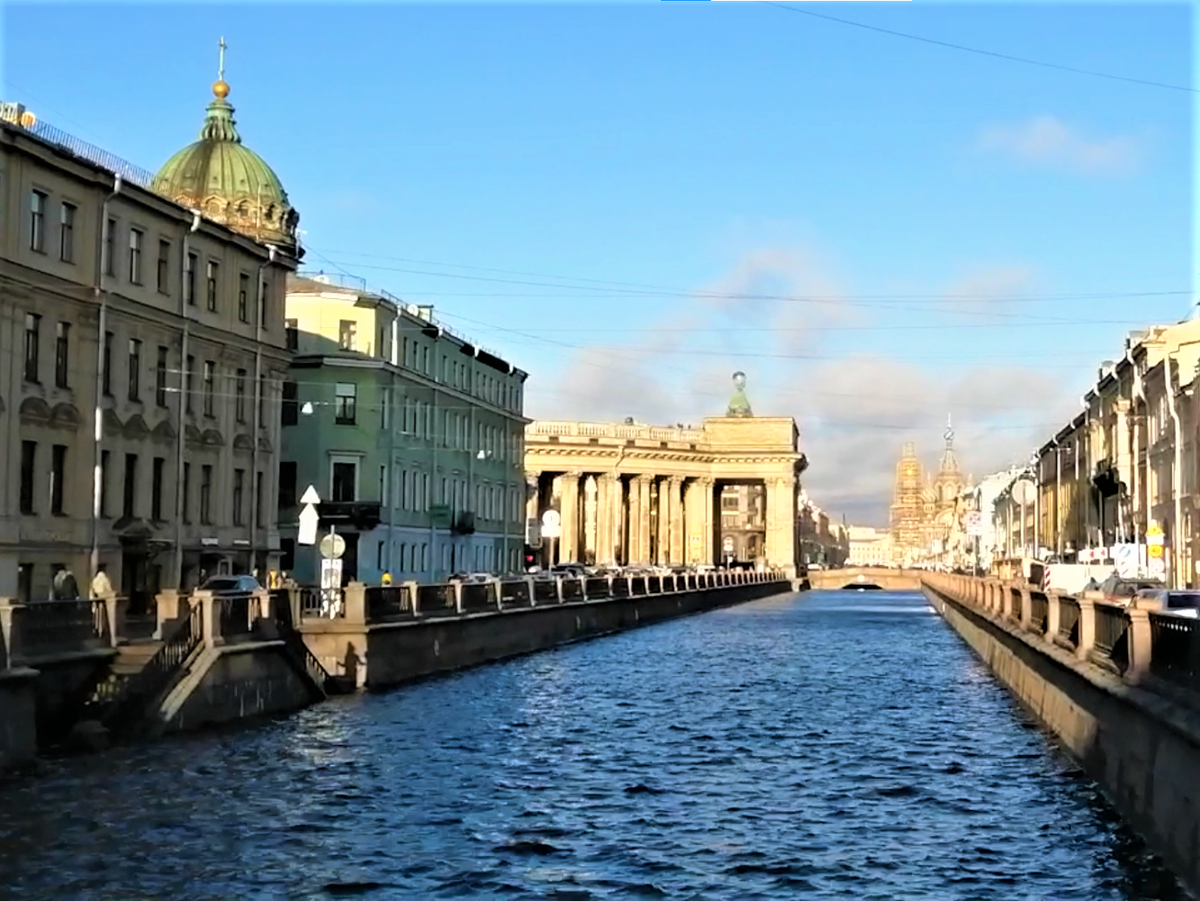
[[635, 494]]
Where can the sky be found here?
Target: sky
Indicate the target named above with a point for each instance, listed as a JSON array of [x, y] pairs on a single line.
[[633, 200]]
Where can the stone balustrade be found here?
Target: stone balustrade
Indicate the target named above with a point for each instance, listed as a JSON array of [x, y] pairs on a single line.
[[359, 604], [1140, 641], [48, 630]]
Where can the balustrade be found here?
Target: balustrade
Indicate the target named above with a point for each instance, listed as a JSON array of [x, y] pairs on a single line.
[[1135, 641]]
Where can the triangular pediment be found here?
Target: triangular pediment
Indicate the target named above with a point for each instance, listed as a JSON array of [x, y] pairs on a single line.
[[136, 427], [164, 432]]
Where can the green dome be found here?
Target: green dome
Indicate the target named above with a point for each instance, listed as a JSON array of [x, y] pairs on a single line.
[[228, 182]]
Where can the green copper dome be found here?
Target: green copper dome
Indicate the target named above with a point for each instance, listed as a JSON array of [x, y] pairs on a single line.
[[227, 181]]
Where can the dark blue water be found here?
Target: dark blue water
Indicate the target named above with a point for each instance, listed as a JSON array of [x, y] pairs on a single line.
[[828, 745]]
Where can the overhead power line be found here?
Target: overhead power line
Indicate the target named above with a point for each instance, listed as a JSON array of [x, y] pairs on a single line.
[[981, 52]]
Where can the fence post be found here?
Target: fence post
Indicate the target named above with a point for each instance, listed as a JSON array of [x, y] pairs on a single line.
[[167, 604], [583, 580], [1026, 608], [458, 599], [6, 631], [414, 598], [1053, 616], [210, 614], [609, 578], [558, 585], [532, 594], [354, 596], [1087, 628], [494, 587]]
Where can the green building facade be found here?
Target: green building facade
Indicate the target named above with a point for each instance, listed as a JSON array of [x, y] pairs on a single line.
[[412, 437]]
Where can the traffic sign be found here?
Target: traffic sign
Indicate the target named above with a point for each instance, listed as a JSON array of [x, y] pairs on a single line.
[[1024, 492], [974, 523], [333, 546], [309, 518], [551, 518], [728, 544]]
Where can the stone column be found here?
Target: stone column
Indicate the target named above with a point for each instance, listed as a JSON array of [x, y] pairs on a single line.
[[620, 513], [643, 515], [677, 531], [569, 513], [691, 521], [662, 553], [531, 495], [591, 519], [706, 519], [605, 529], [781, 523]]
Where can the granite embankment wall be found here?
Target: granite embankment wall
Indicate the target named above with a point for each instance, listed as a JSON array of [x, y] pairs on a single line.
[[1083, 669], [382, 654]]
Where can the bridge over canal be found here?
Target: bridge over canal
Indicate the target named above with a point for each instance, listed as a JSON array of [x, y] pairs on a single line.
[[865, 577]]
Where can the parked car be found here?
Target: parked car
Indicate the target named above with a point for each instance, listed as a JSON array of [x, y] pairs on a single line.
[[1183, 602], [225, 585], [1117, 590]]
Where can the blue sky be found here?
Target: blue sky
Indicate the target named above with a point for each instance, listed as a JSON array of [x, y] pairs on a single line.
[[695, 174]]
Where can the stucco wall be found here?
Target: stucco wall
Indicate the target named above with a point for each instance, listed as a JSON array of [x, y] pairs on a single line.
[[1142, 749], [393, 653]]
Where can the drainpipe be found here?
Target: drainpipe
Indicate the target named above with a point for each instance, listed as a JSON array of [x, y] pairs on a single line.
[[260, 312], [1058, 505], [1139, 496], [102, 266], [183, 396], [1176, 525], [389, 483]]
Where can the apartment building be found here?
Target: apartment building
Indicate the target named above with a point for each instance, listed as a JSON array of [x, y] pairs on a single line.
[[141, 350], [412, 436]]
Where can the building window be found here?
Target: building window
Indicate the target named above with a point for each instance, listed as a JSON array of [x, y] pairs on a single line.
[[33, 330], [156, 489], [287, 484], [37, 221], [130, 485], [344, 477], [243, 297], [135, 368], [291, 331], [239, 389], [239, 495], [189, 377], [211, 283], [58, 475], [348, 334], [104, 470], [187, 493], [61, 360], [66, 234], [189, 279], [163, 276], [110, 255], [160, 377], [259, 487], [289, 413], [107, 379], [28, 460], [206, 495], [210, 370], [345, 403], [136, 242]]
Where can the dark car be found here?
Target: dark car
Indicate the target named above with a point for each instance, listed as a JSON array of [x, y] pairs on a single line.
[[1184, 602], [220, 585]]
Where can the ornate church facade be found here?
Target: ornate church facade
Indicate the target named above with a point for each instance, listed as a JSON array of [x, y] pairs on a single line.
[[927, 511]]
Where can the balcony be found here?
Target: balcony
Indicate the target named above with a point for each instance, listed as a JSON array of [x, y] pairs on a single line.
[[361, 516]]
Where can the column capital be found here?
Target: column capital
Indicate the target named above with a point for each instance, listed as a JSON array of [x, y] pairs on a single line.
[[645, 478], [606, 478], [676, 481]]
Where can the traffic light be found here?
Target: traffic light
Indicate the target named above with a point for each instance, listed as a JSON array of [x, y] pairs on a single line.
[[529, 556]]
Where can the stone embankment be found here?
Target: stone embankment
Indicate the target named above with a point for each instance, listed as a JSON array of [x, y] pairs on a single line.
[[74, 672], [1119, 686]]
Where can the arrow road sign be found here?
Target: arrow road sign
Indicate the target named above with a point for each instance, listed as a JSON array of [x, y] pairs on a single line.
[[309, 517]]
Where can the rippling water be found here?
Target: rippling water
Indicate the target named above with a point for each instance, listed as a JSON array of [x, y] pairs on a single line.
[[828, 745]]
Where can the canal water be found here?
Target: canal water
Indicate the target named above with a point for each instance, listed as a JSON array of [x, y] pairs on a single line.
[[825, 745]]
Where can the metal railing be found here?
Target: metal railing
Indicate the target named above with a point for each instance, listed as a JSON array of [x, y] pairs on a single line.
[[1068, 621], [1176, 655], [1112, 625], [237, 614], [1039, 612]]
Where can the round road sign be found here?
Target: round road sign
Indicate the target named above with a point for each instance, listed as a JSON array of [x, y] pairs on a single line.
[[551, 518], [333, 546]]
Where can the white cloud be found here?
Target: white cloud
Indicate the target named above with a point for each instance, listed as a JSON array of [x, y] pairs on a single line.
[[854, 413], [1048, 140]]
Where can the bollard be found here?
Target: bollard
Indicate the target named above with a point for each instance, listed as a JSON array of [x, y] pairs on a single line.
[[410, 592], [458, 598]]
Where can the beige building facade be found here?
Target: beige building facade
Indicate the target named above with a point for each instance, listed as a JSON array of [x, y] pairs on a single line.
[[869, 546], [143, 349], [630, 494]]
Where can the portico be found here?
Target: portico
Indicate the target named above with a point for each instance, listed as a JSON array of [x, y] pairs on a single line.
[[638, 494]]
